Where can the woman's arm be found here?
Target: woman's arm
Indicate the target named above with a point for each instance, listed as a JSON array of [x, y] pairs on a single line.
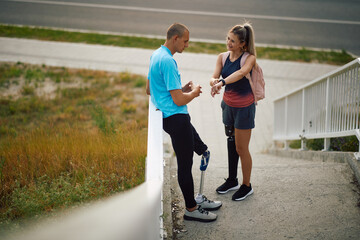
[[236, 76], [239, 74], [217, 71]]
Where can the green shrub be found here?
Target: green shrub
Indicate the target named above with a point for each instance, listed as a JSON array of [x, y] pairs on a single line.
[[101, 120], [140, 82], [28, 90], [343, 144]]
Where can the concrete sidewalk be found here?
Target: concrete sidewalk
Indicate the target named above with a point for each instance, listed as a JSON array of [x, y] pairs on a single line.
[[294, 198]]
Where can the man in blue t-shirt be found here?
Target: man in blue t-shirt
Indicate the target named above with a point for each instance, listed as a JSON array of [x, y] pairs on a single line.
[[167, 94]]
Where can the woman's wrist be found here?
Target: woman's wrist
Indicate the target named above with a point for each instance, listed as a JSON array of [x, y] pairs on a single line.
[[214, 81], [222, 81]]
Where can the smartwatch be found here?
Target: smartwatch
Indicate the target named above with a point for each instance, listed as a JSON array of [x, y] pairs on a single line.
[[223, 82]]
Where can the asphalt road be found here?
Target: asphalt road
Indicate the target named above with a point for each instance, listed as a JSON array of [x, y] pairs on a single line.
[[320, 24]]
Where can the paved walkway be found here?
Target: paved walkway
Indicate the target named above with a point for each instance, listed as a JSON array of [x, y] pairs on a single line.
[[293, 199]]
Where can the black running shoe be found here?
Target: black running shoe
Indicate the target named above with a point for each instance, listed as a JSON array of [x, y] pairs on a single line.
[[229, 185], [242, 193]]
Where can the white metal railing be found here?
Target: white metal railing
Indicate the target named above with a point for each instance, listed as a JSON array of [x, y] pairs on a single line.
[[327, 107], [135, 214], [155, 167]]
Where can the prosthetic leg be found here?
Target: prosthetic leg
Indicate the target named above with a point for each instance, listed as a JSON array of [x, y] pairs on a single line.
[[233, 156], [204, 162], [200, 199], [199, 196]]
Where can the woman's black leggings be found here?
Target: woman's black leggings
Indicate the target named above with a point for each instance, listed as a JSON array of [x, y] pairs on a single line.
[[185, 141]]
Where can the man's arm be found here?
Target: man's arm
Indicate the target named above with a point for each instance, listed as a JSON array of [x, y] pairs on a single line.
[[147, 87], [181, 98]]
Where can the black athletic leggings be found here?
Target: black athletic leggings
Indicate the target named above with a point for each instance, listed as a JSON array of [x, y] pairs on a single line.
[[185, 141]]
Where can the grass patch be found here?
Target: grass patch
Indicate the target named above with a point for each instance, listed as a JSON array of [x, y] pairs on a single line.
[[83, 140], [305, 55], [300, 55], [343, 144]]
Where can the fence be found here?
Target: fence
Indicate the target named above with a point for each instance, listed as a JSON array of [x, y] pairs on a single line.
[[135, 214], [327, 107]]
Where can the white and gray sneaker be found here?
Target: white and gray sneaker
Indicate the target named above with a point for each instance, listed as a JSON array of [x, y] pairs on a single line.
[[207, 204], [200, 215]]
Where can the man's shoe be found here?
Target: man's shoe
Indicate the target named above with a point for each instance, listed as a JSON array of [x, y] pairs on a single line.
[[229, 185], [207, 204], [200, 215], [242, 193]]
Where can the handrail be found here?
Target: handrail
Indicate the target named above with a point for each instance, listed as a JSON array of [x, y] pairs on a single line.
[[135, 214], [326, 107], [330, 74], [155, 150]]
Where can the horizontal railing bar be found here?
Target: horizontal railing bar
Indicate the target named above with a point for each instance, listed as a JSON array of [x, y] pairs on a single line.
[[324, 77], [319, 135], [117, 217]]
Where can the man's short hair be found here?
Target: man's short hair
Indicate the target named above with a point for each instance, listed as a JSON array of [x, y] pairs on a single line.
[[176, 29]]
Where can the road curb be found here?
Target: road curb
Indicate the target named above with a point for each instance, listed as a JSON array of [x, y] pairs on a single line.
[[339, 157]]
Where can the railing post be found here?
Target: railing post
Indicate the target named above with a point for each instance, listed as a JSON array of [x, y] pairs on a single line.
[[303, 142], [286, 146], [357, 154], [327, 114]]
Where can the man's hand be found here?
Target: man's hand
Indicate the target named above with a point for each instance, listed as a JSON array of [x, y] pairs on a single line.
[[181, 98], [196, 90], [188, 87]]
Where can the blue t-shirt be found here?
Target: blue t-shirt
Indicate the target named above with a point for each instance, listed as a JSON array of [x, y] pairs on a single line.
[[164, 76]]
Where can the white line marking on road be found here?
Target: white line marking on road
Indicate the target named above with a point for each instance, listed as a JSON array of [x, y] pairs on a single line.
[[189, 12]]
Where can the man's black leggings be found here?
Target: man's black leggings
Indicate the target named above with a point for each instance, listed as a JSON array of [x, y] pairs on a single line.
[[185, 141]]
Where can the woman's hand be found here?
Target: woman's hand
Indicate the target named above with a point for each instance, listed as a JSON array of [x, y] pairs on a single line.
[[213, 81], [215, 89]]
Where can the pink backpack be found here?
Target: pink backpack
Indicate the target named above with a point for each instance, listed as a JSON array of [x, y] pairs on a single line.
[[256, 78]]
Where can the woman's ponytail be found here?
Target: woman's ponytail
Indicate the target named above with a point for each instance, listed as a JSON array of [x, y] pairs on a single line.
[[245, 33], [251, 39]]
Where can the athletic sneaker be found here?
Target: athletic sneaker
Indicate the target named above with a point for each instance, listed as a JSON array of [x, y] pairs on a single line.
[[242, 193], [229, 185], [200, 215], [207, 204]]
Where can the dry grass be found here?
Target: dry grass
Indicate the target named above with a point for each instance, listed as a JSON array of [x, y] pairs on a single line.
[[67, 136], [52, 152]]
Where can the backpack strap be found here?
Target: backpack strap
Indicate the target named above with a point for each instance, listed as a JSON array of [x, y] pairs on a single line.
[[243, 58], [242, 62], [224, 57]]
